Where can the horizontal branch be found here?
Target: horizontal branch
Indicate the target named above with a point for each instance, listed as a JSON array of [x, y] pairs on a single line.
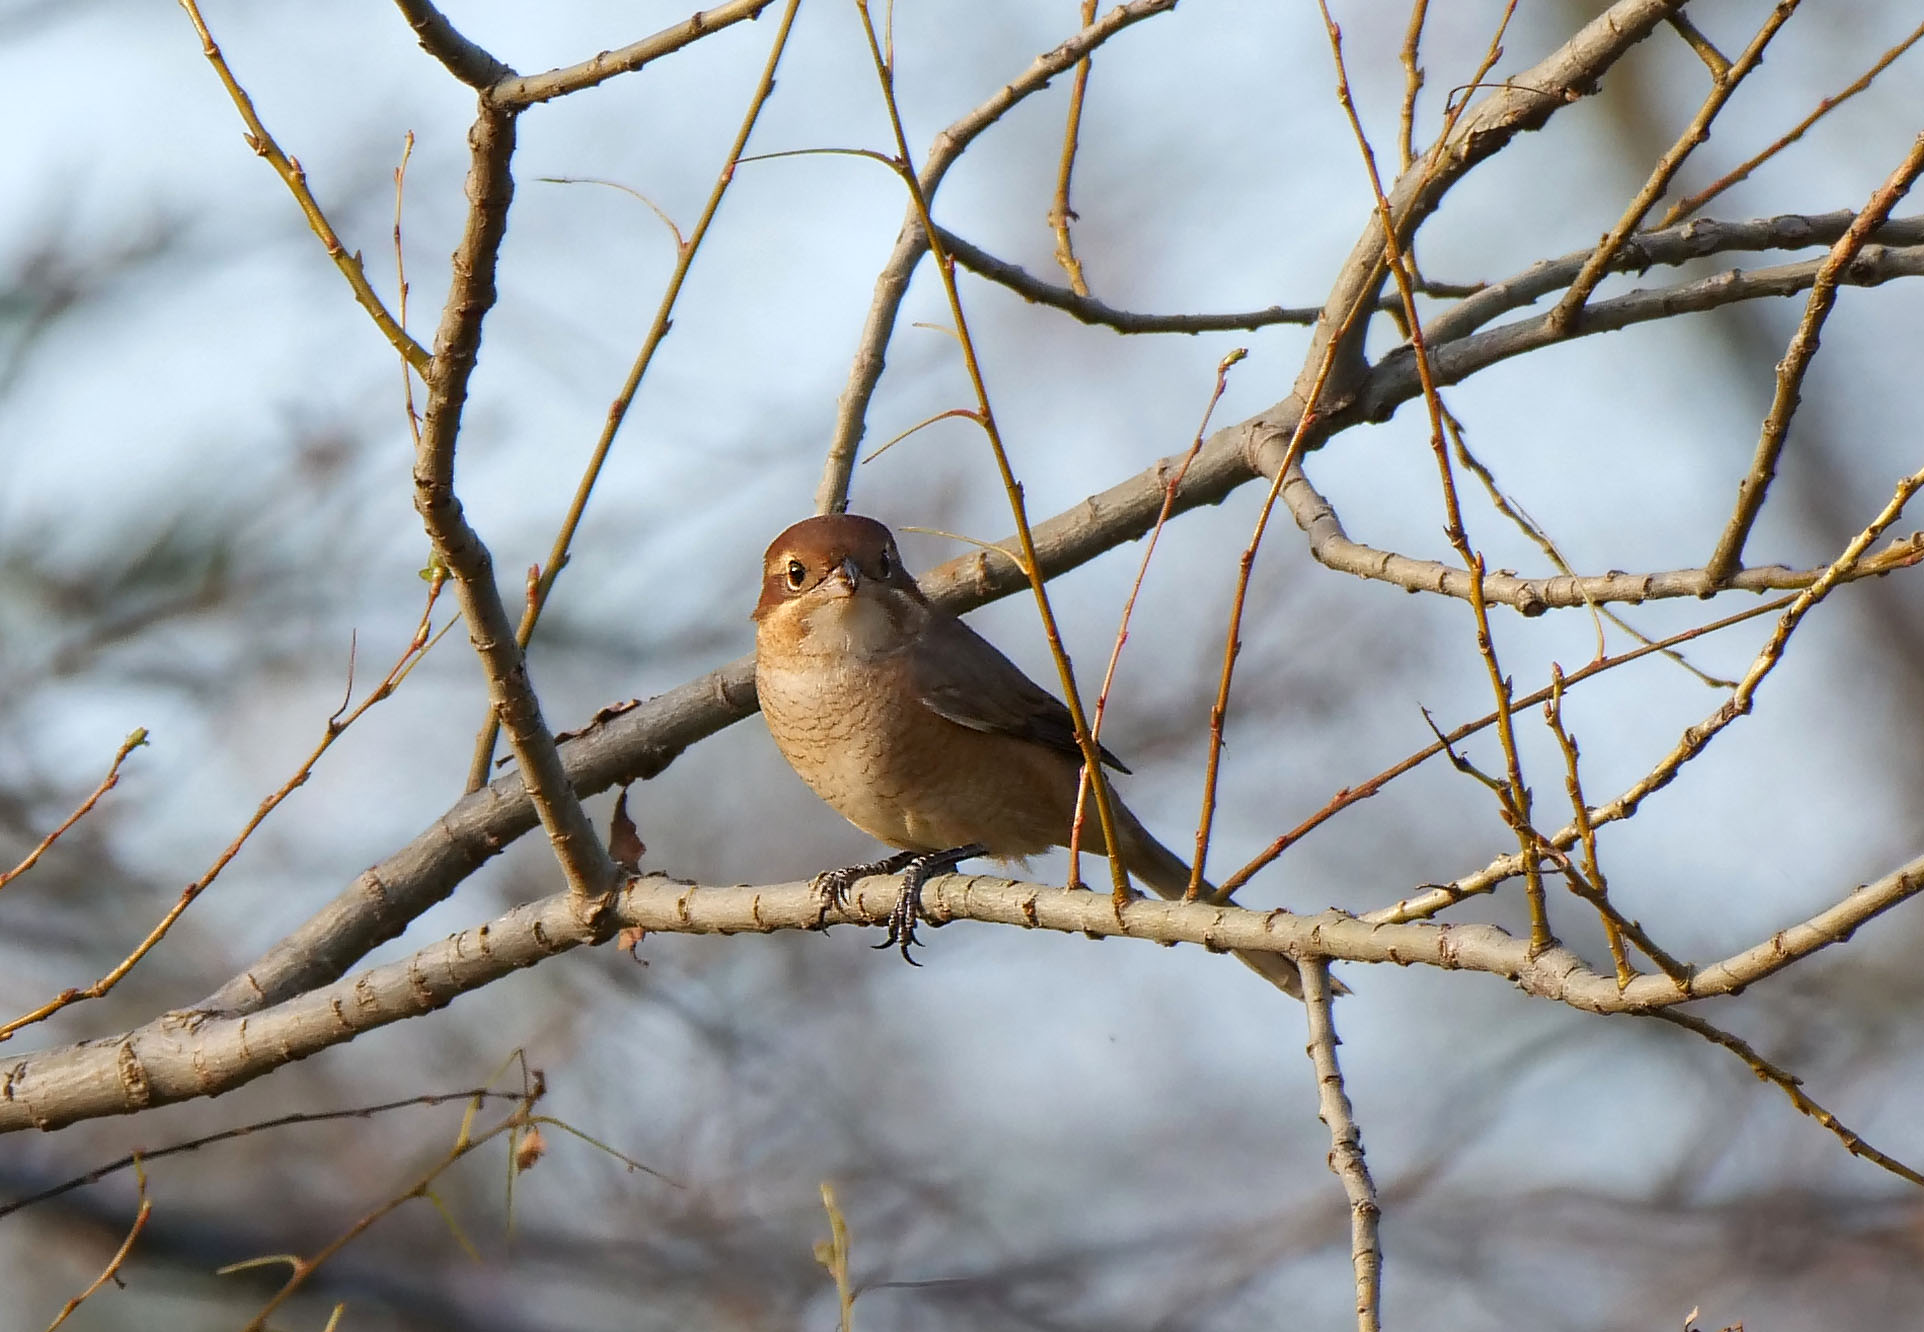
[[183, 1055], [1333, 549], [1394, 379], [1698, 239], [1089, 310]]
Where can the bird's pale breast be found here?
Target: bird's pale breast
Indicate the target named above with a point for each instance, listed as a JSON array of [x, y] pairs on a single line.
[[855, 731]]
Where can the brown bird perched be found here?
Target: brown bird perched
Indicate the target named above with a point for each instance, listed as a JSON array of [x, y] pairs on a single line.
[[916, 730]]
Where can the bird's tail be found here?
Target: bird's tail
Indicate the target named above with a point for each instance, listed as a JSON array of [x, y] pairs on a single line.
[[1168, 875]]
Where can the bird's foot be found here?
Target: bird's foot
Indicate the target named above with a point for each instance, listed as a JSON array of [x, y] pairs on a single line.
[[834, 886], [916, 871]]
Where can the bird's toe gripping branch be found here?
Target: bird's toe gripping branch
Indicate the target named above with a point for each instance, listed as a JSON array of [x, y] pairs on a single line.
[[916, 868]]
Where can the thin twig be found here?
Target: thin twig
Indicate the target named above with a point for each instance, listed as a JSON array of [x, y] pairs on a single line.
[[1515, 795], [1412, 84], [1129, 603], [134, 1160], [1792, 1086], [520, 91], [685, 250], [107, 1274], [290, 171], [1586, 831], [301, 1269], [1694, 737], [1685, 207], [1351, 795], [1563, 317], [1714, 60], [1346, 1159], [336, 725], [912, 241], [1797, 358], [834, 1255], [1089, 310], [1060, 213], [134, 740], [401, 287], [1531, 529]]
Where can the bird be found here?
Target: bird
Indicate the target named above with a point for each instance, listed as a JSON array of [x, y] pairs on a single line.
[[918, 731]]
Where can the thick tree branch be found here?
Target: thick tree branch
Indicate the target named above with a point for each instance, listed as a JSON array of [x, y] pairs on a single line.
[[183, 1055]]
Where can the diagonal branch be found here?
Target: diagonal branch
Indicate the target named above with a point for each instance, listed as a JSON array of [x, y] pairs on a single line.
[[1796, 362], [1526, 101], [1722, 84], [290, 171]]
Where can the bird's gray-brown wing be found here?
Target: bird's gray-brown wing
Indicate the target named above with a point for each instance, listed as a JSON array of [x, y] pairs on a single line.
[[959, 675]]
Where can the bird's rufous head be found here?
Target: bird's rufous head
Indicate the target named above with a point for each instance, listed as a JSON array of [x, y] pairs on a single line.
[[834, 558]]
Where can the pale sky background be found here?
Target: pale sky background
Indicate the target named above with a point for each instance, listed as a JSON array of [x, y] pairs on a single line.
[[1136, 1120]]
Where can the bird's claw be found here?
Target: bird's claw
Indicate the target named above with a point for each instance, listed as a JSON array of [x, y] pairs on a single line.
[[916, 871], [836, 887], [908, 904]]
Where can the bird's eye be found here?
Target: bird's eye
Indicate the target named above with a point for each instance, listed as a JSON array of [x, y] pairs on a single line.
[[797, 571], [884, 564]]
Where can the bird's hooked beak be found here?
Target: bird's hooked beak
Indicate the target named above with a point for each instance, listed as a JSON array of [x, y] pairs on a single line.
[[846, 577]]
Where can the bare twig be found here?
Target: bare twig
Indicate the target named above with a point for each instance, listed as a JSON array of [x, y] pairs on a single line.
[[685, 250], [440, 39], [911, 243], [335, 726], [301, 1269], [834, 1255], [1722, 85], [1706, 50], [1351, 795], [1060, 213], [289, 170], [519, 91], [1685, 207], [1695, 737], [134, 1160], [1129, 603], [1089, 310], [1514, 794], [1803, 347], [107, 1273], [134, 740], [1346, 1160], [1586, 831], [1792, 1086], [1412, 84]]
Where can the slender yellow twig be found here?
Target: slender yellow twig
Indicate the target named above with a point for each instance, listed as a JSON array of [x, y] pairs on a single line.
[[289, 169]]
